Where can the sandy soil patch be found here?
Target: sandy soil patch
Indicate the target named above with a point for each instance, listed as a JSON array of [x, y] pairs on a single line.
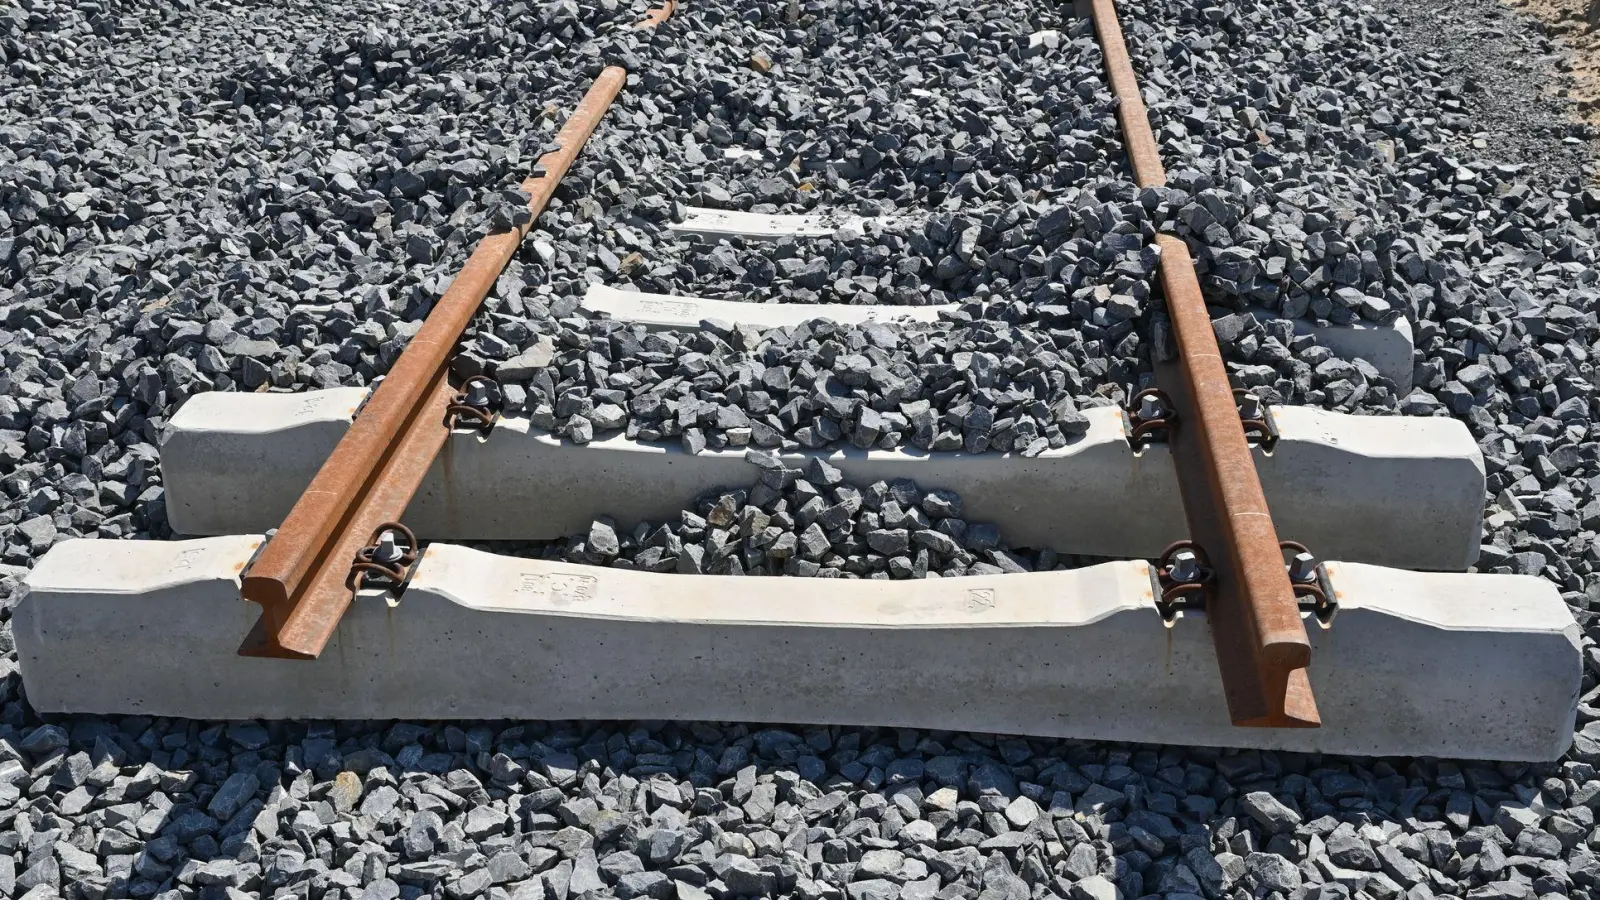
[[1576, 23]]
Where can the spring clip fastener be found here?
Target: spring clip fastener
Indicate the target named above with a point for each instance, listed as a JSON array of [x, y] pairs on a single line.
[[1256, 417], [1185, 576], [1312, 586], [387, 561], [1152, 416], [477, 405]]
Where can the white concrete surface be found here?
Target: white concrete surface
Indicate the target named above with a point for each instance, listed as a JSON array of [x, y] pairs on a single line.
[[233, 453], [1403, 491], [1474, 666], [1406, 492], [717, 224], [674, 311], [1388, 348]]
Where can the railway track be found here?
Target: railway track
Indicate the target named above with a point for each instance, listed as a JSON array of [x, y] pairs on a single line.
[[1366, 636]]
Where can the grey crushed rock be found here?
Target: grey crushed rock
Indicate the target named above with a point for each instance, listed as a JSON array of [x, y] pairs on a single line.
[[808, 522], [202, 199]]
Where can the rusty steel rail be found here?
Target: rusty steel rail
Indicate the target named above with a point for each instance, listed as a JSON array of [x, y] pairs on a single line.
[[1144, 154], [302, 577], [1261, 644], [657, 16]]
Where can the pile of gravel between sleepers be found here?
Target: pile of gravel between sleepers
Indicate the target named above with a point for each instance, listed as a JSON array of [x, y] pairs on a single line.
[[975, 382], [214, 197], [810, 522], [987, 376]]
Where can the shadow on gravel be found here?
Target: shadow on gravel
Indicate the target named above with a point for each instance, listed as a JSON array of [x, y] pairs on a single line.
[[138, 807]]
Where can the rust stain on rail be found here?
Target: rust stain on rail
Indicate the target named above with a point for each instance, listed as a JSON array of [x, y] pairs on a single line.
[[1138, 141], [657, 15], [300, 577], [1261, 644]]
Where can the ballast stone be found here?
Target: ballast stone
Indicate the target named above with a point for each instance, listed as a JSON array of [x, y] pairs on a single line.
[[671, 311], [1406, 492], [1389, 347], [152, 629]]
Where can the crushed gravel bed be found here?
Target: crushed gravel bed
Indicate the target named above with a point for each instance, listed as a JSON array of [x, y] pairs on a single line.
[[806, 522], [242, 197]]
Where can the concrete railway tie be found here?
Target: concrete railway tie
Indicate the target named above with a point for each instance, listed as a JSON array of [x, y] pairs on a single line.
[[1395, 491], [1409, 659]]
